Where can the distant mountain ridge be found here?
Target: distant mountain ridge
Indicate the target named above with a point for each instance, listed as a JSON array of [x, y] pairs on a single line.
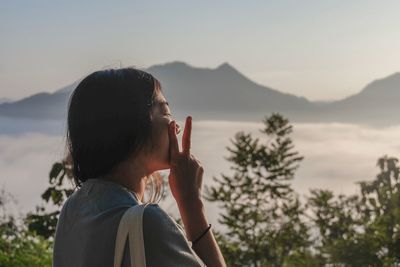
[[222, 90], [225, 93], [376, 104], [5, 99], [40, 106]]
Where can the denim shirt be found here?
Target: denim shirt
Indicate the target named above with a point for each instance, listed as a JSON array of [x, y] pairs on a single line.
[[87, 227]]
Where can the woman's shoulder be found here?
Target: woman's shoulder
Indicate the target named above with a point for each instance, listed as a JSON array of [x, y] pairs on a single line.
[[157, 218], [154, 211], [165, 241], [105, 194], [96, 198]]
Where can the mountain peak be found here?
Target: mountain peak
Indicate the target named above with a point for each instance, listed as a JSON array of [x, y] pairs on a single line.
[[225, 66], [172, 64], [177, 63]]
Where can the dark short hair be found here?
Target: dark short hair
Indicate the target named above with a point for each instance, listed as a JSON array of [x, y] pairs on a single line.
[[109, 120]]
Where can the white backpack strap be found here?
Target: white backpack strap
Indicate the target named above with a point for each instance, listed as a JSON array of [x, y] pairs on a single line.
[[131, 225], [136, 241], [120, 240]]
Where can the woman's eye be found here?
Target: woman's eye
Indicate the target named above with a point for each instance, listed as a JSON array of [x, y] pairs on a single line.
[[165, 110]]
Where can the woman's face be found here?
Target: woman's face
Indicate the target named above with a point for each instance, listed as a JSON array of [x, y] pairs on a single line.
[[161, 117]]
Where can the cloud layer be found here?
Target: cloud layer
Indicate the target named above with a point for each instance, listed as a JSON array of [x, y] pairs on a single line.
[[336, 156]]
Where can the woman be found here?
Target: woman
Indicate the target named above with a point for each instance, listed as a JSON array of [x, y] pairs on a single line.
[[120, 133]]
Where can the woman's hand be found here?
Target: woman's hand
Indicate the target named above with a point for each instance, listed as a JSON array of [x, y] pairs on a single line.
[[186, 172], [185, 180]]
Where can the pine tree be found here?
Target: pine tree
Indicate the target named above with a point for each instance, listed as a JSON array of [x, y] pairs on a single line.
[[260, 211]]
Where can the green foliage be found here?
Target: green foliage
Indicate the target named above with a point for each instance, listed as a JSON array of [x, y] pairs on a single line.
[[262, 214], [340, 236], [361, 230], [20, 247], [380, 201], [43, 222], [268, 226]]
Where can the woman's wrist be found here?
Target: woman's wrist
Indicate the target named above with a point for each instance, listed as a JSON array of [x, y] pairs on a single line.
[[200, 236], [193, 218], [192, 205], [195, 223]]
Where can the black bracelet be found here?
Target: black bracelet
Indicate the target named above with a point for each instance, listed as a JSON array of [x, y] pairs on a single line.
[[205, 231]]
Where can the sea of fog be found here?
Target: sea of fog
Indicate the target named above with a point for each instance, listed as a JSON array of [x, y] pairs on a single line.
[[336, 156]]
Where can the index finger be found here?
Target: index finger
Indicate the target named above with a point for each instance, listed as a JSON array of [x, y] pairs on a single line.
[[186, 137], [173, 140]]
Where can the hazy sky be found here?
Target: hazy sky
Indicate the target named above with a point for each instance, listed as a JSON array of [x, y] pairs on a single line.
[[318, 49]]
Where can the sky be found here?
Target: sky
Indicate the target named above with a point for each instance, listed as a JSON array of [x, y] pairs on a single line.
[[322, 50]]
